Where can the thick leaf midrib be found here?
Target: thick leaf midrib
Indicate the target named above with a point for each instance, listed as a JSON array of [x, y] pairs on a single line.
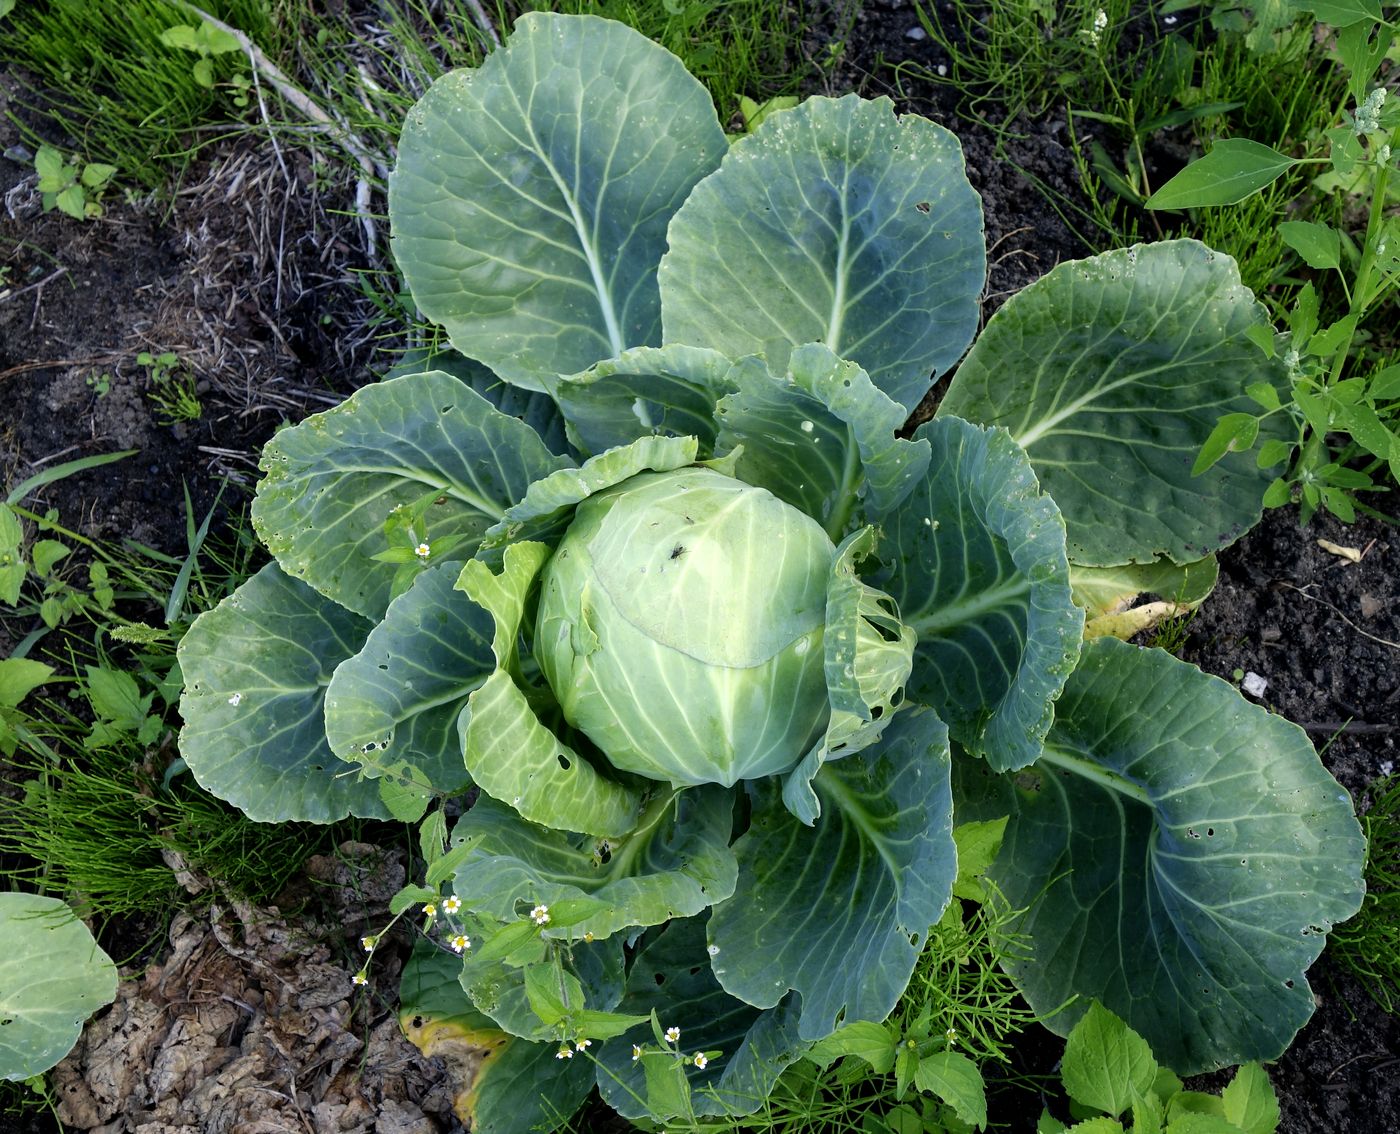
[[1080, 765], [419, 476], [831, 785], [955, 614]]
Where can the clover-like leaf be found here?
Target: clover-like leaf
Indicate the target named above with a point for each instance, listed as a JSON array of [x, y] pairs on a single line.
[[1181, 854], [822, 437], [256, 668], [838, 912], [834, 222], [976, 562], [1111, 373], [397, 701], [531, 197], [332, 481], [676, 863], [53, 976]]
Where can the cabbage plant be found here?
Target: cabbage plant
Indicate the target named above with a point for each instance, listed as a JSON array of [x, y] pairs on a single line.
[[646, 570]]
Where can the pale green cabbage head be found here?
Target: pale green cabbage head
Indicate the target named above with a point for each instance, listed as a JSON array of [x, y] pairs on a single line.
[[680, 626]]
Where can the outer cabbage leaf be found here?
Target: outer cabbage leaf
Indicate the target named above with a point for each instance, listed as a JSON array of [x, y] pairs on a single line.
[[1111, 372], [509, 752], [53, 976], [537, 410], [256, 668], [505, 1085], [531, 198], [834, 222], [839, 911], [1180, 865], [821, 438], [672, 976], [332, 481], [397, 701], [647, 391], [1107, 594], [977, 565], [867, 655], [676, 863]]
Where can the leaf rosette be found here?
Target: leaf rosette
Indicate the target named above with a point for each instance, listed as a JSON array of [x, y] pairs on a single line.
[[650, 565]]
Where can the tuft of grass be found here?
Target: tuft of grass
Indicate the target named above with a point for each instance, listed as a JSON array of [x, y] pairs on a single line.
[[126, 98], [1368, 945]]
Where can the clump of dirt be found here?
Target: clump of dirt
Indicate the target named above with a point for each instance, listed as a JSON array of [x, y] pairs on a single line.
[[252, 1024]]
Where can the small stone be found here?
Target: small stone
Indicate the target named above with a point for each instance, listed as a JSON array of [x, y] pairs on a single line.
[[1270, 634], [1254, 685], [917, 34], [1370, 606]]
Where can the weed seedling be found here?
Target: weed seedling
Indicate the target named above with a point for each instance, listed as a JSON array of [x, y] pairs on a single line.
[[71, 186], [173, 390]]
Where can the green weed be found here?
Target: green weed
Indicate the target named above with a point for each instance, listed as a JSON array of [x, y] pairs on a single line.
[[1368, 945]]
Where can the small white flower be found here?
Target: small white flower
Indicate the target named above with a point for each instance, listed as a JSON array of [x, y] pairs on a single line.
[[701, 1060], [565, 1052], [422, 551], [588, 937], [451, 905], [235, 699], [1100, 20], [636, 1053], [430, 911], [672, 1035], [540, 915], [951, 1035], [583, 1044], [369, 943], [360, 978], [460, 942]]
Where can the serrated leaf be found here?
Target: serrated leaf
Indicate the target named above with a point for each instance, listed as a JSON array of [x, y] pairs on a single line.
[[1319, 245], [1233, 433], [865, 1039], [1249, 1101], [955, 1079], [19, 677], [1106, 1065]]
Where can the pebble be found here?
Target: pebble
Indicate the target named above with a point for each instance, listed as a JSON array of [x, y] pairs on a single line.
[[917, 34], [1253, 684]]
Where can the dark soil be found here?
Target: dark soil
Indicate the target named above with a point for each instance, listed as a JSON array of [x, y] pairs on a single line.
[[246, 276]]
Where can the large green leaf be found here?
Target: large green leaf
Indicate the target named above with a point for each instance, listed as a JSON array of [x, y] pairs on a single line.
[[748, 1048], [53, 976], [509, 752], [867, 655], [676, 863], [537, 410], [332, 481], [256, 668], [548, 504], [834, 222], [977, 565], [531, 197], [1181, 854], [397, 701], [647, 391], [1111, 372], [821, 437], [839, 911]]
